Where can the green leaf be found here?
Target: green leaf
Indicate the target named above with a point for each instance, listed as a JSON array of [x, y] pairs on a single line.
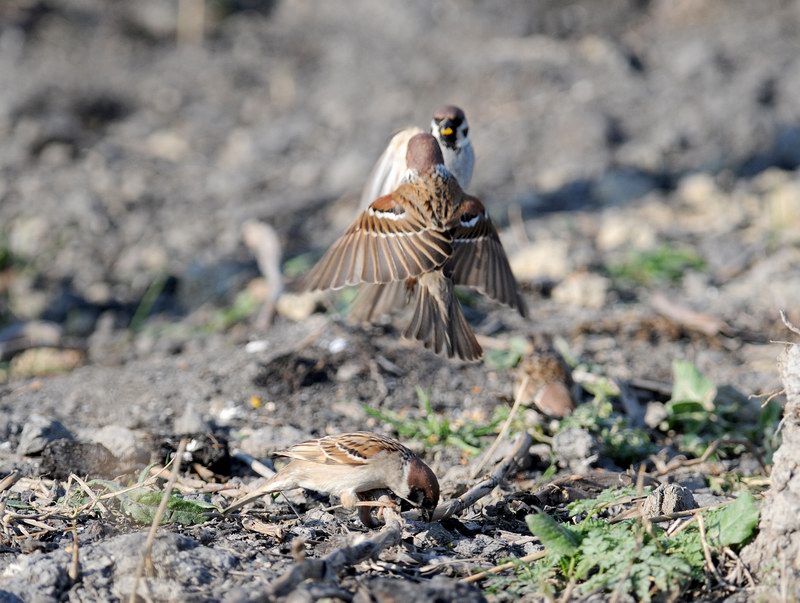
[[141, 506], [690, 385], [555, 537], [733, 524], [506, 359]]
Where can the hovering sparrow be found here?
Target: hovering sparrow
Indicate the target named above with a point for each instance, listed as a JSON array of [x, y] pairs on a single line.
[[424, 236], [350, 464], [450, 128]]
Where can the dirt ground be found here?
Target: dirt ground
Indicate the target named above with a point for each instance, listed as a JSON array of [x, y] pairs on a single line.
[[640, 158]]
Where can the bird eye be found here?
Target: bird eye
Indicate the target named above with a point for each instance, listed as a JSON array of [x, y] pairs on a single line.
[[466, 131]]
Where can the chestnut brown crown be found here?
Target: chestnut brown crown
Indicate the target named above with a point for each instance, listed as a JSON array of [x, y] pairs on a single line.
[[423, 153]]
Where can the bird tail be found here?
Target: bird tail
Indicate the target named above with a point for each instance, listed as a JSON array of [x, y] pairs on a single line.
[[375, 300], [274, 484], [438, 321]]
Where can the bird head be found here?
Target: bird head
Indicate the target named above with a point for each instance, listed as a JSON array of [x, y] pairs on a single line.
[[423, 487], [450, 127]]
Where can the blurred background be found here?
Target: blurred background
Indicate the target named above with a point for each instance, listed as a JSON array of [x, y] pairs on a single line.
[[625, 148]]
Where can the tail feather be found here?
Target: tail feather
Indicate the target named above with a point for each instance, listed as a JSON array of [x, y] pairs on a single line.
[[438, 321], [375, 300]]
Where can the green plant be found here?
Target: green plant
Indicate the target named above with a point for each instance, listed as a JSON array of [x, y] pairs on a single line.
[[509, 358], [621, 442], [663, 265], [434, 429], [628, 557]]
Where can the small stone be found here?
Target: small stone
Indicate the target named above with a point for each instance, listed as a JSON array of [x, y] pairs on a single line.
[[543, 259], [37, 432], [297, 306], [698, 189], [655, 413], [61, 458], [348, 371], [38, 362], [575, 448], [622, 230], [583, 289], [122, 442], [668, 498]]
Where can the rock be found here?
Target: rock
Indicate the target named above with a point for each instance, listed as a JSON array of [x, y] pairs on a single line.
[[668, 498], [698, 189], [583, 289], [542, 259], [37, 432], [575, 448], [60, 458], [108, 570], [123, 443]]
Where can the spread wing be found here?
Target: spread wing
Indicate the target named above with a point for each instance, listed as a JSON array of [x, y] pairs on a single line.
[[391, 240], [388, 172], [479, 259], [356, 448]]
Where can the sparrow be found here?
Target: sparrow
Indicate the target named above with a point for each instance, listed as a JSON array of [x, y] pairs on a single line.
[[548, 382], [349, 465], [424, 237], [450, 128]]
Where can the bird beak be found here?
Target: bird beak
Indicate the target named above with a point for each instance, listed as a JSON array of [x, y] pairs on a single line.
[[446, 131]]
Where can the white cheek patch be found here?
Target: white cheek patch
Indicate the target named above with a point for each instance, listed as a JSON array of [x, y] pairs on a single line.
[[409, 176], [385, 215]]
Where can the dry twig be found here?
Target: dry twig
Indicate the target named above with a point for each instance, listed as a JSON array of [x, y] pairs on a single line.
[[503, 430], [481, 489], [328, 567]]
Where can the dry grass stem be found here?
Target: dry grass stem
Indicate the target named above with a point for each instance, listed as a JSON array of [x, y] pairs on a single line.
[[147, 559], [503, 430], [498, 569]]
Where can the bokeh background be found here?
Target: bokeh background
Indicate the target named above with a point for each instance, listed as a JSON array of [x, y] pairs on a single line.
[[133, 150]]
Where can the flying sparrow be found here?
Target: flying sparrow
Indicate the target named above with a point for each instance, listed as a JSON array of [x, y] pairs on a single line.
[[351, 464], [420, 239], [450, 128]]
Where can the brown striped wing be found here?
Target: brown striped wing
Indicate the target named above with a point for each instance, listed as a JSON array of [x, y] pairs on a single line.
[[355, 448], [391, 240], [479, 259]]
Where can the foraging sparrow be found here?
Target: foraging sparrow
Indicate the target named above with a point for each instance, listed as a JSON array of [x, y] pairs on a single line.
[[450, 128], [425, 236], [350, 464], [548, 380]]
